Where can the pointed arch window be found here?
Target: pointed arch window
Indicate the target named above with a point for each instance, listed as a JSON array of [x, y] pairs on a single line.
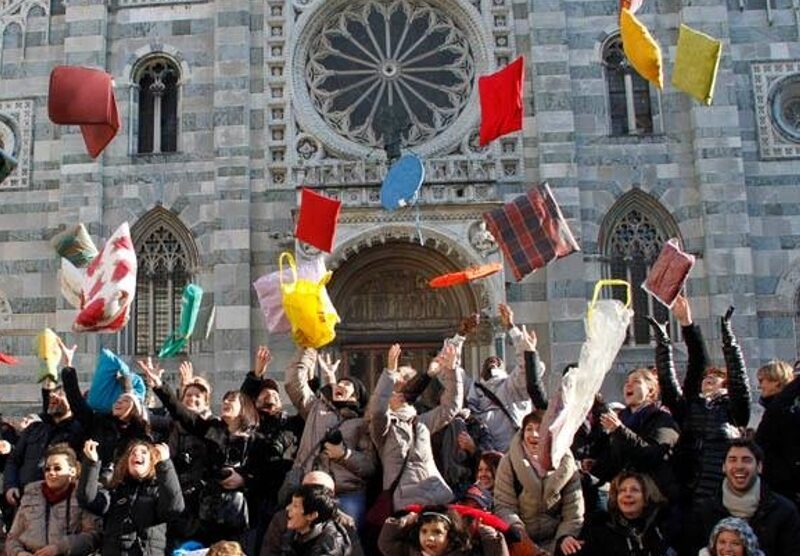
[[166, 257], [157, 81], [632, 235], [629, 102]]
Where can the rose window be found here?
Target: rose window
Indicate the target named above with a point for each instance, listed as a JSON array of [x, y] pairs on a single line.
[[786, 107], [383, 69]]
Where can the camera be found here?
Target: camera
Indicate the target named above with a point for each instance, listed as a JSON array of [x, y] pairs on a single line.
[[333, 436]]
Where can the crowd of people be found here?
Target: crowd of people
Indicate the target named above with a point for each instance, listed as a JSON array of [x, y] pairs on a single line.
[[672, 470]]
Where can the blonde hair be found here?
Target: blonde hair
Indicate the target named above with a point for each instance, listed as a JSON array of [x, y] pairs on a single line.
[[651, 379], [225, 548], [777, 370]]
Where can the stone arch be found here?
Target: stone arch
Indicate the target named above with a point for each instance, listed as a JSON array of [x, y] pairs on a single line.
[[636, 199], [146, 53]]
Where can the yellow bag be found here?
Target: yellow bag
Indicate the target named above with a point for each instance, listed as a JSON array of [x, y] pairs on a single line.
[[308, 307], [641, 48], [49, 353], [696, 63]]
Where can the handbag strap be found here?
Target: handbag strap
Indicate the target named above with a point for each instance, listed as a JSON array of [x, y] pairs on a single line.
[[492, 396], [408, 454]]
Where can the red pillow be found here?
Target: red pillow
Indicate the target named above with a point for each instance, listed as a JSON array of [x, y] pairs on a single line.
[[501, 101], [316, 224]]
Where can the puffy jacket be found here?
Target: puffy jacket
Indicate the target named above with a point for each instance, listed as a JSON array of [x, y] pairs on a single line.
[[776, 522], [350, 473], [420, 482], [610, 533], [38, 524], [27, 459], [394, 541], [512, 391], [707, 425], [782, 449], [645, 447], [549, 507], [325, 539], [135, 513], [272, 545]]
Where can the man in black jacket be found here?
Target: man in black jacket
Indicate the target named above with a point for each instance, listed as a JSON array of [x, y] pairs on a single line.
[[25, 464], [743, 494]]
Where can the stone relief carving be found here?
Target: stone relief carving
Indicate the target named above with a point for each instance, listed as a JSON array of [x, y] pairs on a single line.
[[776, 89], [482, 239], [16, 133]]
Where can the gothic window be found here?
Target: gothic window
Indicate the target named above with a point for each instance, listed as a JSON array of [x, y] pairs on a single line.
[[628, 92], [632, 235], [157, 82], [57, 7], [379, 70], [166, 258]]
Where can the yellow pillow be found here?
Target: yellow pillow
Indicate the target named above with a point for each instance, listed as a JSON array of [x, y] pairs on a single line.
[[640, 48], [696, 64]]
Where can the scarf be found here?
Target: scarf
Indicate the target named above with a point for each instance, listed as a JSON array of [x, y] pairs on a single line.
[[741, 505], [634, 419], [405, 413], [53, 497]]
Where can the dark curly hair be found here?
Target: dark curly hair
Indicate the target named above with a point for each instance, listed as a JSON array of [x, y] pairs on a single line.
[[458, 538]]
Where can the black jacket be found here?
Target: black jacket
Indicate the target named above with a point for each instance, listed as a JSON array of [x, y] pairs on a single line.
[[707, 426], [776, 523], [325, 539], [777, 435], [26, 461], [607, 533], [646, 447], [135, 513], [9, 434]]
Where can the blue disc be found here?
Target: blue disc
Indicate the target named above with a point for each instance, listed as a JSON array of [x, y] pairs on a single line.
[[402, 182]]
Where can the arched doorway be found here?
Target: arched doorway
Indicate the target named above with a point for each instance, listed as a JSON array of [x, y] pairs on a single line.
[[382, 295]]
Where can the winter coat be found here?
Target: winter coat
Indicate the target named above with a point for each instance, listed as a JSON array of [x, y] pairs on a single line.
[[707, 425], [420, 481], [272, 545], [782, 449], [512, 391], [321, 416], [328, 538], [9, 434], [38, 524], [27, 459], [458, 466], [646, 447], [111, 434], [394, 542], [776, 522], [610, 533], [549, 508], [135, 513]]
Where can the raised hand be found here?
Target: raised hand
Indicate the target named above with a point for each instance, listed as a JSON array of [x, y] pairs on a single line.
[[263, 359], [469, 324], [506, 316], [529, 340], [659, 330], [67, 354], [163, 452], [186, 371], [393, 360], [725, 326], [328, 368], [682, 311], [448, 356], [151, 373], [90, 450]]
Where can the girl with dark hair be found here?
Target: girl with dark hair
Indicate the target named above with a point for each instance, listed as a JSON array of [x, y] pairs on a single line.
[[634, 524], [436, 531], [49, 521], [233, 451], [143, 495]]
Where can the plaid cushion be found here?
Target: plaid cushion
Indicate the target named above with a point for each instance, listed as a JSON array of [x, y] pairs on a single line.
[[531, 231]]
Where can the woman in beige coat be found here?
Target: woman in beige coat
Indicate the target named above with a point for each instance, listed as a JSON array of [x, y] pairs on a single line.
[[546, 503], [49, 521]]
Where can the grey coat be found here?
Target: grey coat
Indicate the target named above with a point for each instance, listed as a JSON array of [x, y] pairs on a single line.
[[421, 482]]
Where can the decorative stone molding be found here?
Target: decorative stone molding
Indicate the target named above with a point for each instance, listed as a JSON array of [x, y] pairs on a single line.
[[776, 89], [17, 12], [16, 130], [279, 132], [482, 239], [139, 3], [5, 310], [313, 26]]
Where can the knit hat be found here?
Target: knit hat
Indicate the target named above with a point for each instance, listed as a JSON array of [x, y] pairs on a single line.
[[742, 529], [197, 382], [481, 496], [362, 396], [270, 384]]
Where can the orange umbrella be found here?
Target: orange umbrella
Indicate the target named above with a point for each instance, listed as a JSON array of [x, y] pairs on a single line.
[[7, 359], [464, 276]]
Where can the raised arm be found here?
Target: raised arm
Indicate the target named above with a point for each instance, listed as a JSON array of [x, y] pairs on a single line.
[[296, 380], [251, 385], [191, 421], [671, 392], [695, 345], [534, 374], [378, 404], [77, 403], [738, 387], [170, 497], [91, 495], [515, 388], [452, 378]]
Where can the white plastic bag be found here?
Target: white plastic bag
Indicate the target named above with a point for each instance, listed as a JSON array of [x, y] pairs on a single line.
[[71, 279]]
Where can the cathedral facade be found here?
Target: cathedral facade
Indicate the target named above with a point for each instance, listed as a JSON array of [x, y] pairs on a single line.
[[230, 107]]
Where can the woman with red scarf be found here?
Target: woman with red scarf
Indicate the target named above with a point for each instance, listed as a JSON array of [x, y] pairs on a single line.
[[50, 521]]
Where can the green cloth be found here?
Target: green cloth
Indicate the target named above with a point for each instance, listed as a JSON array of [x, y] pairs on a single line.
[[190, 307], [76, 245], [696, 64]]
